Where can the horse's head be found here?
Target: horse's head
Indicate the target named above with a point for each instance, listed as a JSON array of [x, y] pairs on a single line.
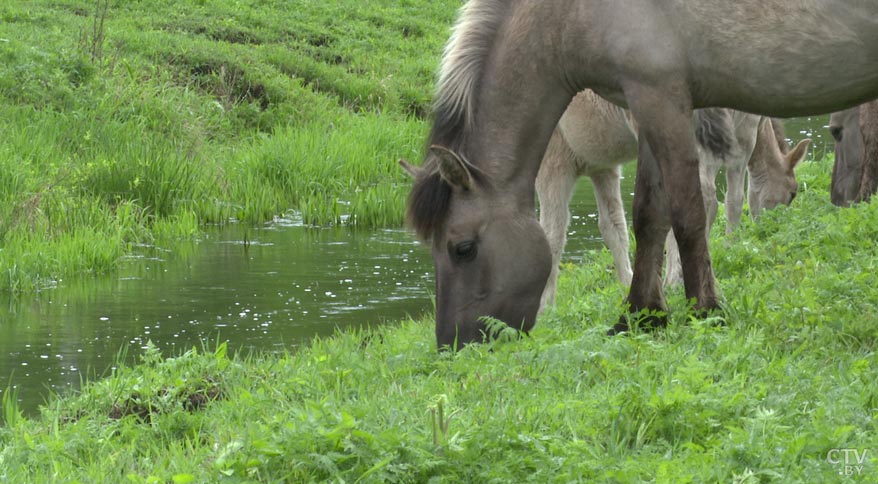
[[490, 254], [847, 171], [773, 171]]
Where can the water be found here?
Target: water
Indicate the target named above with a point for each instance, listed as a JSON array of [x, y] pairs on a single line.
[[266, 289], [814, 127]]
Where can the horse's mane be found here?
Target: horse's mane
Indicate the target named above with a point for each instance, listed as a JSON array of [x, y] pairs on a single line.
[[428, 204], [462, 68], [460, 76]]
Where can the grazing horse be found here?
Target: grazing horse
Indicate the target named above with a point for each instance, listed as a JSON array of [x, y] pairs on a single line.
[[855, 173], [595, 138], [511, 68]]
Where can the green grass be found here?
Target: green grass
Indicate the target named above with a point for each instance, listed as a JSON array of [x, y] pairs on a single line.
[[764, 399], [130, 124]]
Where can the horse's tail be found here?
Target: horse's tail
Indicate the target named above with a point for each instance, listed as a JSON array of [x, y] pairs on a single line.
[[715, 130]]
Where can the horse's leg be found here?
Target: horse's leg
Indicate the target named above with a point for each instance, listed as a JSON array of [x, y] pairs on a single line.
[[707, 171], [734, 196], [651, 225], [611, 219], [555, 183], [869, 131], [708, 168], [667, 184], [673, 266]]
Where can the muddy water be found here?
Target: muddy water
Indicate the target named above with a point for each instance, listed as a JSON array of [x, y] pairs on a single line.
[[265, 289]]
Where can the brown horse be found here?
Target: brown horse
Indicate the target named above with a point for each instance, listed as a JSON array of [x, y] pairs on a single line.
[[509, 72], [855, 172]]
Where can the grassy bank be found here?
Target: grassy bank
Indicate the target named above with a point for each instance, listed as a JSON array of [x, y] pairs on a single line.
[[138, 122], [765, 399]]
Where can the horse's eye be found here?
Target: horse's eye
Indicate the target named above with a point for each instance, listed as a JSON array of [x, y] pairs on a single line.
[[463, 251], [837, 132]]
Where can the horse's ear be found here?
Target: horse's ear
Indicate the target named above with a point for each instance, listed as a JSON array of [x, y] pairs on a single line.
[[797, 154], [412, 170], [452, 168]]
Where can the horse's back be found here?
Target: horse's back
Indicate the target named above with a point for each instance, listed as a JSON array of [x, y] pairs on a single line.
[[773, 57]]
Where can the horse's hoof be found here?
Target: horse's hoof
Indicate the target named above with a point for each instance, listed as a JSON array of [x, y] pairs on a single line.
[[652, 322], [716, 315], [618, 328], [644, 321]]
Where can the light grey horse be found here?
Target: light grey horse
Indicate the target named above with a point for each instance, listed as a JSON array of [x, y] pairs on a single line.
[[855, 172], [594, 138], [509, 72]]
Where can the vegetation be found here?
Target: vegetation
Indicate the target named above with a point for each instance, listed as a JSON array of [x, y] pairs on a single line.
[[765, 399], [139, 121], [132, 122]]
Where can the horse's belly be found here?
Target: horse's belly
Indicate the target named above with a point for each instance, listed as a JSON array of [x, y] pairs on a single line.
[[780, 57]]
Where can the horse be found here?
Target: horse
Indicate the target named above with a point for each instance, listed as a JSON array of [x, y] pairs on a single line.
[[855, 172], [509, 71], [595, 138]]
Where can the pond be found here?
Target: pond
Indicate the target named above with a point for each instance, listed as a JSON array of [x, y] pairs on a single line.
[[267, 288]]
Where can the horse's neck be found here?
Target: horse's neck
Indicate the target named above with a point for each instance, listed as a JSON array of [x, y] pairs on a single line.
[[519, 99]]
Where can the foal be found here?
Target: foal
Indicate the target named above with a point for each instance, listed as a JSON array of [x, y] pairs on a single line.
[[595, 138]]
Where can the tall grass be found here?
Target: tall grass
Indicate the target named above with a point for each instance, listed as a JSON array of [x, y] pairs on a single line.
[[347, 167]]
